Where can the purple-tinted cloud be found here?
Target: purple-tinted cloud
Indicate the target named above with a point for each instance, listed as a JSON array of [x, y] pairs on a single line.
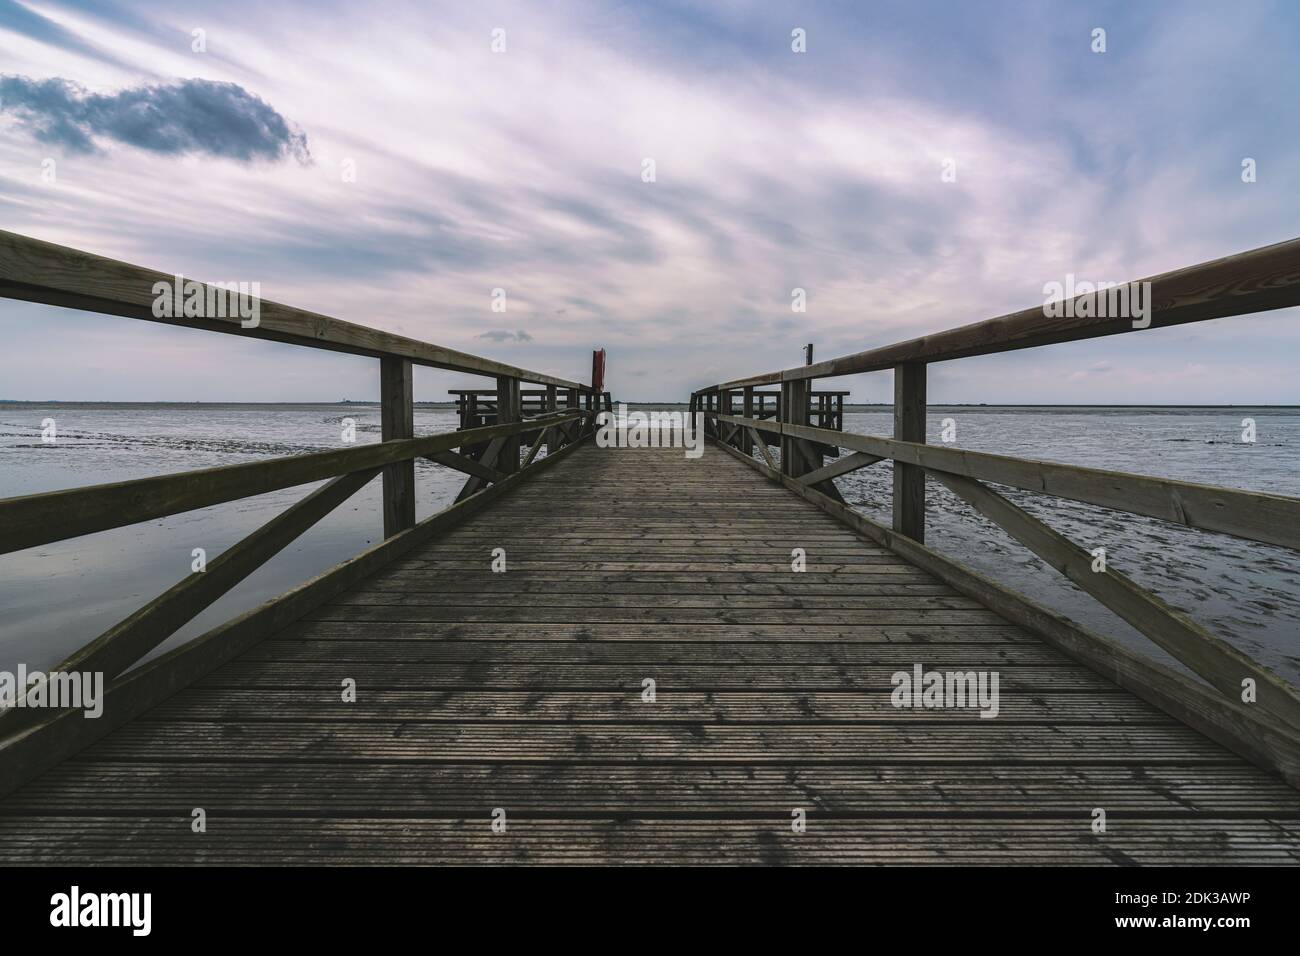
[[190, 117]]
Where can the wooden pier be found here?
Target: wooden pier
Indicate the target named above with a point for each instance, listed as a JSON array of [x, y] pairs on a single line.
[[506, 714]]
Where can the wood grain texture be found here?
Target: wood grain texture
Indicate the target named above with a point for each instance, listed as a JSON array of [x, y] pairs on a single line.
[[524, 690]]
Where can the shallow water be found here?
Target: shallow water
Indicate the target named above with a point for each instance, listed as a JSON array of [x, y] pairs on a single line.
[[57, 597]]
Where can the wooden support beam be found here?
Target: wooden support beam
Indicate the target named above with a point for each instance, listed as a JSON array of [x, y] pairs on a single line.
[[130, 639], [508, 410], [794, 411], [761, 443], [491, 452], [464, 463], [841, 466], [397, 421], [724, 408], [552, 405], [747, 406], [1213, 658], [536, 447], [909, 425]]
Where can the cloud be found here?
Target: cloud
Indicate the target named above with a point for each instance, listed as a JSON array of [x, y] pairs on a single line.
[[193, 116], [503, 335]]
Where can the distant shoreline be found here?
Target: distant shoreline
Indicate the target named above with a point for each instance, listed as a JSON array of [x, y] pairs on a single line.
[[21, 403]]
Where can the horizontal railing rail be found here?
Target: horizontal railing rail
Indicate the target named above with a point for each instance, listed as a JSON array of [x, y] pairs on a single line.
[[1256, 281], [32, 520], [1242, 703], [1252, 515], [37, 271]]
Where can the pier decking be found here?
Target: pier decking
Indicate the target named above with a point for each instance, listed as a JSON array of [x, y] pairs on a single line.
[[651, 677], [523, 691]]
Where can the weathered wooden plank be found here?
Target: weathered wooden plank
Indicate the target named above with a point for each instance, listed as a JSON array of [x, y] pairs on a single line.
[[627, 707], [624, 551], [926, 740], [478, 582], [484, 675], [1067, 840], [919, 611], [862, 596], [645, 653], [711, 790], [947, 634]]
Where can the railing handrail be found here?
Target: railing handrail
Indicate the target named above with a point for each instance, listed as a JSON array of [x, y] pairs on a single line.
[[1250, 515], [37, 271], [1259, 280], [34, 520]]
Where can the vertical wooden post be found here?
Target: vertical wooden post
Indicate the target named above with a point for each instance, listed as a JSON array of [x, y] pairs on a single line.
[[794, 411], [553, 440], [397, 420], [508, 410], [573, 429], [747, 410], [909, 425]]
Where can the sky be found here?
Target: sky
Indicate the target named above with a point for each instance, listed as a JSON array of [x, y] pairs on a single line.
[[382, 163]]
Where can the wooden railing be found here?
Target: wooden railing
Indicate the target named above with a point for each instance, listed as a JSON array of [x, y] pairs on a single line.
[[494, 458], [1245, 705]]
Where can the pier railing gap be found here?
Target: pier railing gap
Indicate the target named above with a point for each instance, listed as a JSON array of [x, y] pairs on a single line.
[[496, 428], [1265, 730]]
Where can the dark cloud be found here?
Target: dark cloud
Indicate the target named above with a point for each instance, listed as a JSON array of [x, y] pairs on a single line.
[[504, 335], [192, 116]]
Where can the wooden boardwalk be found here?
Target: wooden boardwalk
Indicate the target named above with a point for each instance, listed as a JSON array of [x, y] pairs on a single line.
[[523, 691]]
